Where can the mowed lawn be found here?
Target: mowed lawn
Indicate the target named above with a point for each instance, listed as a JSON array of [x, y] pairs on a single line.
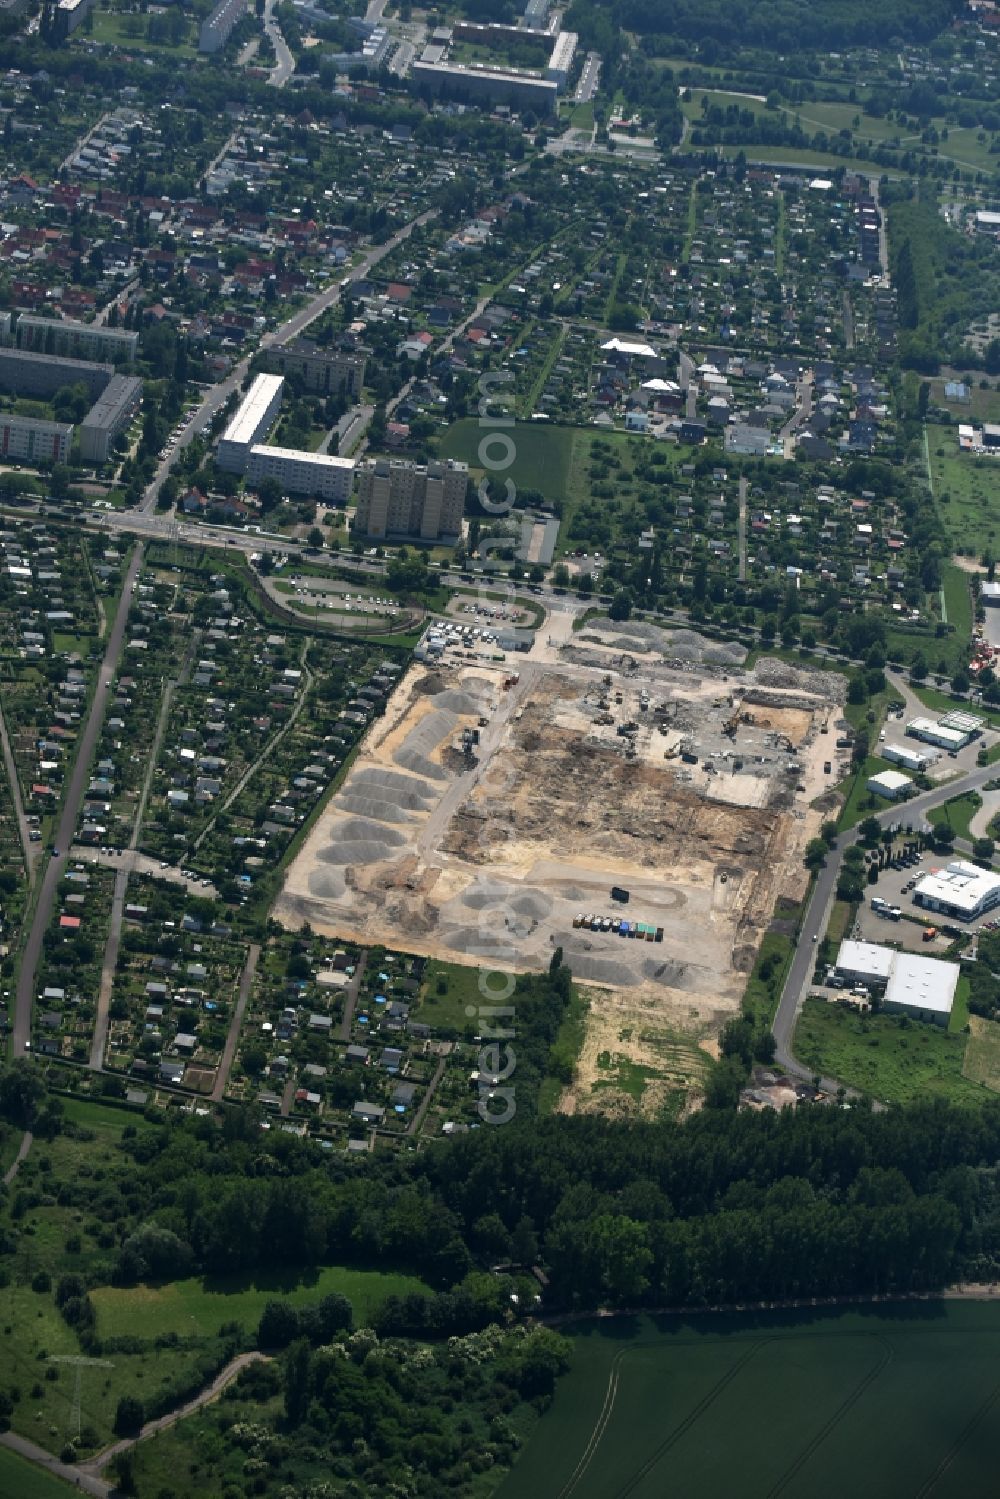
[[812, 1406], [200, 1307], [541, 453]]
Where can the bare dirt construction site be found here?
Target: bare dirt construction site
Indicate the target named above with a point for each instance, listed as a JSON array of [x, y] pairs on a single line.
[[484, 816]]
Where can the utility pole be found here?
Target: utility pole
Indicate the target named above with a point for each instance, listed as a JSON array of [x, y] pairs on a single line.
[[78, 1362]]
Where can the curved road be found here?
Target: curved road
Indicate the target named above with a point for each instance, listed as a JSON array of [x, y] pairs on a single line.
[[285, 64], [24, 994], [211, 1392]]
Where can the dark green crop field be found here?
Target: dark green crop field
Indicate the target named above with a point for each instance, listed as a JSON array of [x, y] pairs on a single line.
[[897, 1400]]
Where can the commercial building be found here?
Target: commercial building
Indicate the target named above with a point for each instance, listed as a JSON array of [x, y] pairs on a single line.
[[923, 988], [217, 28], [77, 340], [409, 499], [109, 415], [561, 61], [891, 784], [27, 374], [912, 759], [34, 441], [960, 889], [865, 963], [253, 420], [481, 85], [965, 723], [298, 472], [327, 372], [989, 594], [937, 733]]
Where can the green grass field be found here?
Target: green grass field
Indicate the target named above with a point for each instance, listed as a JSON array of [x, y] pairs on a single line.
[[893, 1059], [198, 1308], [965, 492], [957, 813], [542, 453], [860, 801], [982, 1054], [982, 405], [810, 1405], [22, 1480], [450, 997], [958, 602]]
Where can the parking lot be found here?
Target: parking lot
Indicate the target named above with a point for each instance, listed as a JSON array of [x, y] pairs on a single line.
[[891, 888]]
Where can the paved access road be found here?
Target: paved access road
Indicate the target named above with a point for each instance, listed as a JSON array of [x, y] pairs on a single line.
[[219, 394], [817, 912], [24, 994], [285, 62]]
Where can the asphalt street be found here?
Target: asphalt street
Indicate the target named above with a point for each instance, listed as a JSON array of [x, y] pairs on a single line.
[[24, 993], [817, 912]]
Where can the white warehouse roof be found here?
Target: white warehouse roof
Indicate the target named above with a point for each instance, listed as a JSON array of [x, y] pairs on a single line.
[[889, 782], [936, 733], [922, 983], [960, 886], [867, 959]]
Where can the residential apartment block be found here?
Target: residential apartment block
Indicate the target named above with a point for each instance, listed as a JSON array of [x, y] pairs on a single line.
[[77, 340], [110, 413], [252, 421], [322, 371], [301, 472], [217, 28], [34, 441], [44, 374], [409, 499]]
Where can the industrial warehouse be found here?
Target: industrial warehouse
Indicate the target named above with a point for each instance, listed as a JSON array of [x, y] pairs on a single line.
[[962, 890], [908, 983]]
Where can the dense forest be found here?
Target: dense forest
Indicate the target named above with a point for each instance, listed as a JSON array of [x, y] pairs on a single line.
[[722, 1207], [539, 1216], [792, 25]]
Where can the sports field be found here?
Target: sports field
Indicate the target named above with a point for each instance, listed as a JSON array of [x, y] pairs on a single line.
[[896, 1400]]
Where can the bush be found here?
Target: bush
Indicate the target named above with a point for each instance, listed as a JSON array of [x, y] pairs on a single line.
[[41, 1281]]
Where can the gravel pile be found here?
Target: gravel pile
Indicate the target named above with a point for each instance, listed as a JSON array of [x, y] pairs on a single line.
[[462, 703], [398, 790], [772, 672], [600, 969], [639, 637], [415, 751], [366, 806]]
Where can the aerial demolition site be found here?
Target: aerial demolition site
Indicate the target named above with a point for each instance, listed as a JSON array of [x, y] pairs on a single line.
[[491, 811]]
